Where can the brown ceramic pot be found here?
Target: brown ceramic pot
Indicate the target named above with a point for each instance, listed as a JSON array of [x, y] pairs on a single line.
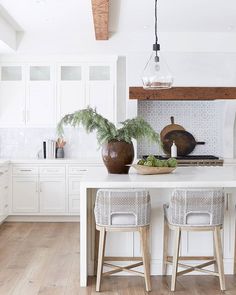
[[116, 155]]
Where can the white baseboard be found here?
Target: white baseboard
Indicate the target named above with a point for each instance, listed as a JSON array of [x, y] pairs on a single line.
[[58, 218]]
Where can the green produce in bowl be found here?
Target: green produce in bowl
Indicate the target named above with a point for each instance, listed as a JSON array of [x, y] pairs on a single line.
[[148, 163], [159, 163], [141, 162], [165, 163], [151, 161], [172, 162]]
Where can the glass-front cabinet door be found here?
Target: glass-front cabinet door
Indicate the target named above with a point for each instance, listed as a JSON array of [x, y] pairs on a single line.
[[12, 95], [71, 89], [41, 100], [100, 90]]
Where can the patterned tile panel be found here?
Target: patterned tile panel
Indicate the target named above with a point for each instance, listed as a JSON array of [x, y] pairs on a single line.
[[201, 118]]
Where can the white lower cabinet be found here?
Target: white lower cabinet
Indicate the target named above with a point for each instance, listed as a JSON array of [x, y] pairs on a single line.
[[52, 195], [74, 189], [25, 195], [4, 192], [50, 189], [74, 204]]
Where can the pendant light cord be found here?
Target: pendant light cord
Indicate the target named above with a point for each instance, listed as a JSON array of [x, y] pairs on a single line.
[[156, 37], [156, 46]]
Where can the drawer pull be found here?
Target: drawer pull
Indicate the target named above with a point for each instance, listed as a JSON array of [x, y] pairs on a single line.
[[25, 170], [1, 173], [6, 187]]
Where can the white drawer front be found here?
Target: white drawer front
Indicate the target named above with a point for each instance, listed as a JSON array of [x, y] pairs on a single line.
[[76, 170], [74, 186], [74, 204], [53, 171], [25, 170]]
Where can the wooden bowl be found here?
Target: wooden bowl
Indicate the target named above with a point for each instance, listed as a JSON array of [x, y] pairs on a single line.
[[145, 170]]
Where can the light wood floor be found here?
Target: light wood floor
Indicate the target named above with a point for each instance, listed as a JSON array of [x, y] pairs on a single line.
[[43, 258]]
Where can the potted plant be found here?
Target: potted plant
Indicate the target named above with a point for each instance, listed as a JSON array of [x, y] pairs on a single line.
[[117, 146]]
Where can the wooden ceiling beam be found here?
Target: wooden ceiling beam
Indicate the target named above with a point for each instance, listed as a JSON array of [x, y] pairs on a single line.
[[101, 18]]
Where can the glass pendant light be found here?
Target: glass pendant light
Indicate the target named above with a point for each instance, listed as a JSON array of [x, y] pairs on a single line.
[[156, 74]]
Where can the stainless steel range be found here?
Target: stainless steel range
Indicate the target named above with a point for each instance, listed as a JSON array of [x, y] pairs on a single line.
[[195, 160]]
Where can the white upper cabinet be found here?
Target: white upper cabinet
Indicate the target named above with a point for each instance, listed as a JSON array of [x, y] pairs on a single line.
[[12, 96], [71, 89], [40, 94], [101, 90], [40, 102]]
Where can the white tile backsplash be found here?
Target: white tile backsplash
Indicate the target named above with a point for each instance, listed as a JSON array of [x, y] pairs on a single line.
[[201, 118], [26, 142]]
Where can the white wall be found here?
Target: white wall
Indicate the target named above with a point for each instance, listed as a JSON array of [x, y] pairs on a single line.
[[195, 59]]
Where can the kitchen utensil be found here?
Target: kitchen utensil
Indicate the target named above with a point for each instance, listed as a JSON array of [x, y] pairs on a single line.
[[170, 127], [184, 141], [145, 170]]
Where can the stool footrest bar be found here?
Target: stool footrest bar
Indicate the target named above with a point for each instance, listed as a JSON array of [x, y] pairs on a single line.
[[123, 268], [117, 258]]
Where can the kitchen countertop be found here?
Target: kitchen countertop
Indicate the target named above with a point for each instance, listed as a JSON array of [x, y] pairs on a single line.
[[183, 176], [4, 162], [79, 161]]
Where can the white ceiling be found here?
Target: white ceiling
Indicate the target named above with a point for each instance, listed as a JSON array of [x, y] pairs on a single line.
[[126, 15]]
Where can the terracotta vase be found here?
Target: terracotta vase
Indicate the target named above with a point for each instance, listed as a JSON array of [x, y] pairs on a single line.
[[116, 155]]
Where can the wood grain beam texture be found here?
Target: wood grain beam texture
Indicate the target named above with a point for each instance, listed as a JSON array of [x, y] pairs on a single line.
[[101, 18], [183, 93]]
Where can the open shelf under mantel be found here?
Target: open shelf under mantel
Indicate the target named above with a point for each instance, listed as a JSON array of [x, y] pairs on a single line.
[[183, 93]]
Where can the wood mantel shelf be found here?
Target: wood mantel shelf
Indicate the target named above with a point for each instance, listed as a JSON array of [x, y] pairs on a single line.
[[183, 93]]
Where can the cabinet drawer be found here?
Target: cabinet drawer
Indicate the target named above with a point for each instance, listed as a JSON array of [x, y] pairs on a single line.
[[76, 170], [74, 186], [74, 204], [25, 170], [53, 171]]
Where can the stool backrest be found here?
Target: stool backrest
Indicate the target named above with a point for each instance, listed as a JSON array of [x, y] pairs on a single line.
[[197, 207], [133, 206]]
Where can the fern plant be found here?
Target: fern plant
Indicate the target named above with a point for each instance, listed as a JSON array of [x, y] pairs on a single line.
[[136, 128]]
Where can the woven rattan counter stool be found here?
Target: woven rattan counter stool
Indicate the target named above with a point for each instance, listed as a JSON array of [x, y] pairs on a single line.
[[194, 210], [118, 210]]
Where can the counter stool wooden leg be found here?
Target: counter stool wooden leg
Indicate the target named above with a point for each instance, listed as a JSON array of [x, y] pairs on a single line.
[[165, 247], [146, 256], [96, 244], [175, 258], [214, 249], [102, 240], [219, 257]]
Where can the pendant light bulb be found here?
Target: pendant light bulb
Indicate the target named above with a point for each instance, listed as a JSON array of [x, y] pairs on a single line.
[[156, 74]]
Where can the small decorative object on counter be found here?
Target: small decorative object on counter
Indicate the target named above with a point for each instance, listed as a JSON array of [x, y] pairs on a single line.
[[60, 148], [152, 165], [49, 149], [173, 150], [117, 146]]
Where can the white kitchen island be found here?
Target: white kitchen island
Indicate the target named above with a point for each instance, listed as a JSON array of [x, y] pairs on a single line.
[[160, 187]]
